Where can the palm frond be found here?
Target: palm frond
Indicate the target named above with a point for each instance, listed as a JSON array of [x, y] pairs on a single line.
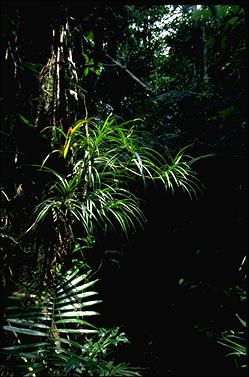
[[51, 330], [53, 322]]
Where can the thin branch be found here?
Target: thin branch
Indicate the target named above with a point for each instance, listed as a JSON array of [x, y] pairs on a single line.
[[135, 78]]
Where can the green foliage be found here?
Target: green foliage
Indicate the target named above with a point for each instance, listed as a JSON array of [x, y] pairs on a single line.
[[101, 207], [35, 68], [236, 291], [94, 184], [237, 343], [105, 160], [26, 121], [52, 332], [9, 250], [100, 347]]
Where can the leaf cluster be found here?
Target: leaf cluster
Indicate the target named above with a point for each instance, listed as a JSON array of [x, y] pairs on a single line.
[[51, 331], [105, 160]]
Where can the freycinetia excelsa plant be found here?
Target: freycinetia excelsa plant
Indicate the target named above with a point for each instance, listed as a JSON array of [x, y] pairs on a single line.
[[236, 342], [104, 164], [104, 160]]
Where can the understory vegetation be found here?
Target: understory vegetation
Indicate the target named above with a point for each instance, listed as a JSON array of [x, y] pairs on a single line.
[[123, 189]]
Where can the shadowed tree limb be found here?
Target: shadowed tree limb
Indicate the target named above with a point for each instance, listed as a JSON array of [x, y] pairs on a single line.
[[135, 78]]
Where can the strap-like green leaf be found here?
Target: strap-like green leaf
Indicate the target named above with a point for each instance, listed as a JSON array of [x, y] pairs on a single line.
[[77, 314], [25, 346], [26, 121], [76, 299], [69, 291], [77, 305], [76, 331], [27, 323], [24, 331], [74, 320]]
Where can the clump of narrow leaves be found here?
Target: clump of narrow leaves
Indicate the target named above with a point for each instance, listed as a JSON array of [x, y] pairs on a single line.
[[236, 342], [104, 160]]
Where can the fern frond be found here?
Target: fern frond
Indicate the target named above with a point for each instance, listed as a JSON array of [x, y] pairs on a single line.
[[50, 324]]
